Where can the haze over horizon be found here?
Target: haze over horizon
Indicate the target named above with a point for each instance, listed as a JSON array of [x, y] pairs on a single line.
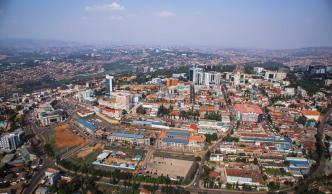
[[238, 24]]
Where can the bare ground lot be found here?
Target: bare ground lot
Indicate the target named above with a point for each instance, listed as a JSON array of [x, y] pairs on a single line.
[[65, 138], [174, 168]]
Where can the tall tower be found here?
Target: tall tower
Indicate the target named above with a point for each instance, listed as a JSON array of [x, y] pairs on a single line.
[[109, 85]]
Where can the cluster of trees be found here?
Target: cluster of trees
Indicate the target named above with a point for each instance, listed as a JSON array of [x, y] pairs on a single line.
[[211, 137], [212, 116], [162, 110], [230, 138], [115, 175], [14, 120], [158, 180], [189, 114], [141, 110], [49, 150], [273, 186], [178, 190], [301, 120]]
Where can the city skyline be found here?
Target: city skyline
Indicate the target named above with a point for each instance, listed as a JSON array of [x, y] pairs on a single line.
[[236, 24]]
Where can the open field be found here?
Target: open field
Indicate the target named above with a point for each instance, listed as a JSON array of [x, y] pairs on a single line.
[[174, 168], [65, 138]]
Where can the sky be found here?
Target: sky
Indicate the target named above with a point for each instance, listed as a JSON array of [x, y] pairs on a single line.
[[260, 24]]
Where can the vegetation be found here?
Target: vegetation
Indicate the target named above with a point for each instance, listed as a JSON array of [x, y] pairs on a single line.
[[301, 120], [178, 190], [210, 138], [162, 110], [230, 138], [49, 150], [212, 116], [141, 110], [189, 114], [273, 186]]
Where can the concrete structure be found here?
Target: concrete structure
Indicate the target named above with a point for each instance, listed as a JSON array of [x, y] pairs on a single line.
[[12, 141], [180, 140], [109, 85], [196, 75], [123, 101], [47, 115], [131, 138], [247, 112], [89, 127], [242, 176]]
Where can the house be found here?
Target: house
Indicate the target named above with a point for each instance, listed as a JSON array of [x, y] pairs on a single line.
[[311, 114]]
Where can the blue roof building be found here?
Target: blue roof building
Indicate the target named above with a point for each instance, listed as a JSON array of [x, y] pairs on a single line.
[[91, 127], [173, 140]]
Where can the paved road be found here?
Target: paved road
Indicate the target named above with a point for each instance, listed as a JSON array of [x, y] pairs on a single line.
[[38, 176], [324, 167], [38, 147]]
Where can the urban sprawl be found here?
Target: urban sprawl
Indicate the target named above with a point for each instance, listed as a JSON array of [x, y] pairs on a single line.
[[198, 123]]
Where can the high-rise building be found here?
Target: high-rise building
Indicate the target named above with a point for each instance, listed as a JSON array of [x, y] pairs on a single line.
[[196, 75], [212, 78], [12, 141], [109, 85]]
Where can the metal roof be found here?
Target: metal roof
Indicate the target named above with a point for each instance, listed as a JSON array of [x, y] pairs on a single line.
[[128, 135], [167, 139], [178, 133], [87, 124]]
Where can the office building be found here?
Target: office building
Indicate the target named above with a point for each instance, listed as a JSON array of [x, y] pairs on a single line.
[[109, 85], [12, 141]]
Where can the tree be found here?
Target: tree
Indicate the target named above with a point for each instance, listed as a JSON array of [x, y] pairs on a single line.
[[210, 138], [49, 150], [141, 110], [273, 186], [213, 116], [301, 120], [124, 112], [162, 111]]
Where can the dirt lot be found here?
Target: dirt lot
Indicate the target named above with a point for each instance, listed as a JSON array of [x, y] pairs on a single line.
[[65, 138], [86, 151], [168, 166]]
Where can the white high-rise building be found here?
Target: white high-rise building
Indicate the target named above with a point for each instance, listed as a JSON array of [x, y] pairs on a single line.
[[12, 141], [109, 85]]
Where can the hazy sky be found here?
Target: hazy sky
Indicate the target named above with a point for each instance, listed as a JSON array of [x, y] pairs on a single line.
[[232, 23]]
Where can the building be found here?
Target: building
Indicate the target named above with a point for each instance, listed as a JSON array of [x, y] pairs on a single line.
[[130, 138], [216, 157], [109, 85], [172, 82], [87, 96], [212, 78], [53, 175], [311, 114], [247, 112], [12, 141], [200, 76], [180, 140], [298, 165], [242, 176], [89, 127], [123, 101], [239, 77], [275, 75], [47, 115], [196, 75]]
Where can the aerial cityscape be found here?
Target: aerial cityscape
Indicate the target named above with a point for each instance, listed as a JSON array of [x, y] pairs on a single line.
[[163, 97]]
